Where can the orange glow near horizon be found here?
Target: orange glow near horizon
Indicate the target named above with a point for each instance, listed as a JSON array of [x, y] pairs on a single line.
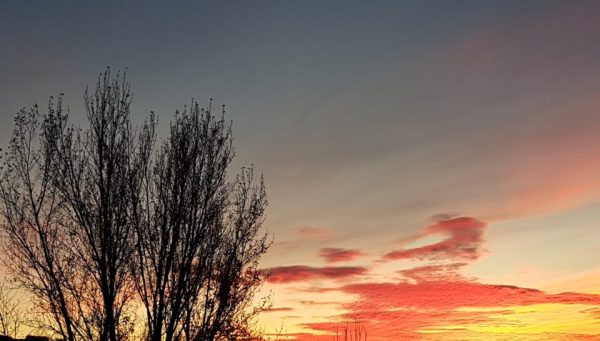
[[429, 297]]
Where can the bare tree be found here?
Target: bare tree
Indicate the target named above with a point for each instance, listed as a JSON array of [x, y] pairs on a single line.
[[31, 226], [96, 172], [94, 216], [198, 237], [66, 199]]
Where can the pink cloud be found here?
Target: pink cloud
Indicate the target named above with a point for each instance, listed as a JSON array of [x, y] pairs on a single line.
[[464, 241], [333, 255], [449, 295], [317, 302], [312, 232], [434, 272], [300, 273], [393, 325], [398, 311]]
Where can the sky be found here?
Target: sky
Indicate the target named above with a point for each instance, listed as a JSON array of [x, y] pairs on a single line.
[[433, 167]]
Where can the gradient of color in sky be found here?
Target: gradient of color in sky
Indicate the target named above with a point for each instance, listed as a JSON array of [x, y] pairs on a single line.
[[433, 167]]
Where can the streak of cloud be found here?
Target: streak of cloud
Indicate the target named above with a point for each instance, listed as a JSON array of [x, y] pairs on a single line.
[[464, 241], [302, 273], [334, 255]]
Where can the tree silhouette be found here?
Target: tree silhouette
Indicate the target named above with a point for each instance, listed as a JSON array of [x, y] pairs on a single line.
[[34, 247], [197, 242], [96, 221], [350, 332]]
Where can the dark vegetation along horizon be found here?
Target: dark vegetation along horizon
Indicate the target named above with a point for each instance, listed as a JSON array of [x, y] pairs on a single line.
[[27, 338], [113, 234]]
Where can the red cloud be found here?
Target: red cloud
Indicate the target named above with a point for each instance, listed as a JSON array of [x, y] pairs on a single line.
[[465, 238], [402, 308], [406, 325], [398, 311], [299, 273], [333, 254], [392, 325], [434, 272], [449, 295]]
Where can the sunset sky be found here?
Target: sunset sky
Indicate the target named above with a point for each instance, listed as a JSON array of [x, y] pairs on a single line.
[[433, 167]]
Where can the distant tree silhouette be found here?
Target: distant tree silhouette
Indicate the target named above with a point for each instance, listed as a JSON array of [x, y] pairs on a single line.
[[27, 338], [347, 332], [96, 219]]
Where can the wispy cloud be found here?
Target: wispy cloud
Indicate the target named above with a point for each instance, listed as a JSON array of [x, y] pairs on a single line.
[[464, 241], [300, 273], [334, 254], [434, 272], [312, 232], [276, 310]]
